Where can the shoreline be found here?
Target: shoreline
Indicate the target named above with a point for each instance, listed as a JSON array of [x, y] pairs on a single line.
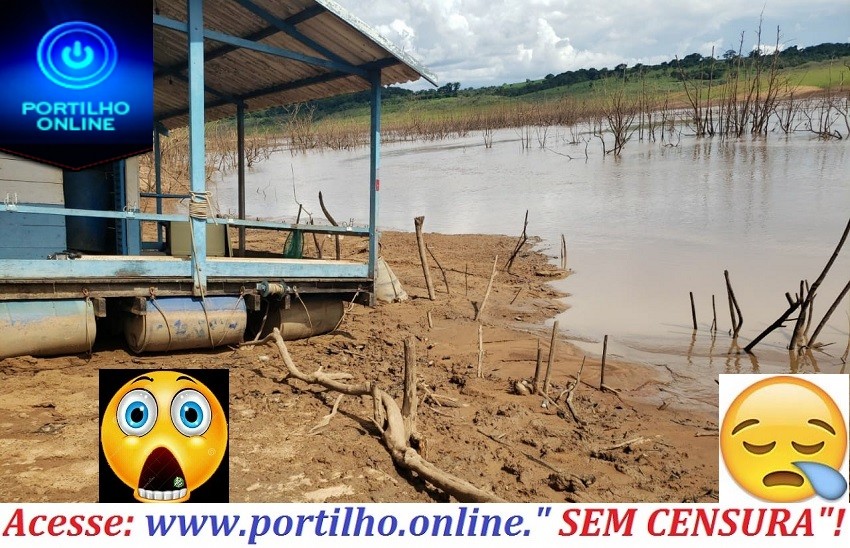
[[477, 428]]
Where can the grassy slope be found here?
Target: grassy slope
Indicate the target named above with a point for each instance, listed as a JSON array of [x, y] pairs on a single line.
[[659, 83]]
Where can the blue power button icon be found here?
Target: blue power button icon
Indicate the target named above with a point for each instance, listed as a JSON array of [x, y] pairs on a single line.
[[77, 55]]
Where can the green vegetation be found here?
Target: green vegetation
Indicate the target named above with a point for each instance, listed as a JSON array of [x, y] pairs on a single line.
[[818, 66], [728, 96]]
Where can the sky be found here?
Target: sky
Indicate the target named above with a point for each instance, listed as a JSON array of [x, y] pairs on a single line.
[[490, 42]]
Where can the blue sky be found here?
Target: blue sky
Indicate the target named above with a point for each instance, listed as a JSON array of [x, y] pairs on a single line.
[[485, 42]]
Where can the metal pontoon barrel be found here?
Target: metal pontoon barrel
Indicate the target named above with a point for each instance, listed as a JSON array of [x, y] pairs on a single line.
[[180, 323], [46, 328], [306, 317]]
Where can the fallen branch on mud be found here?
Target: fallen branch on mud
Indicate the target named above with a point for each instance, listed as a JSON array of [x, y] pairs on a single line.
[[634, 441], [570, 390], [498, 439], [390, 421]]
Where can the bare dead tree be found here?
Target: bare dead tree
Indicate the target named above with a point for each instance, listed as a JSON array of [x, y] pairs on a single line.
[[619, 112]]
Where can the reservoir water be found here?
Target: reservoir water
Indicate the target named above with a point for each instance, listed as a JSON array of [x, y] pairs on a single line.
[[642, 230]]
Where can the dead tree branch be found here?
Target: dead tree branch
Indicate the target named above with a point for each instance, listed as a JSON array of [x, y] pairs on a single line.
[[420, 241], [389, 419], [442, 270], [332, 221], [778, 323], [489, 288], [828, 314], [521, 242], [733, 302]]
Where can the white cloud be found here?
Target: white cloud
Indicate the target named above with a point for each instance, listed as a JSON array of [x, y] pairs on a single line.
[[485, 42]]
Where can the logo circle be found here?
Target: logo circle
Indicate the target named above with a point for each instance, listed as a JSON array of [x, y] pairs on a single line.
[[77, 55]]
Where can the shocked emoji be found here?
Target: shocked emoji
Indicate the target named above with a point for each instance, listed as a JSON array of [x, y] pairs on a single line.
[[164, 434], [783, 439]]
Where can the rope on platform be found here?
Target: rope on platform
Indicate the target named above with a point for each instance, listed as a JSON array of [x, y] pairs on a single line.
[[346, 310], [165, 321], [89, 341], [306, 311], [227, 322], [199, 208]]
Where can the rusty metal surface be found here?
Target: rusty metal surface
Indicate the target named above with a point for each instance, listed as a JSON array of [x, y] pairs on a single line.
[[11, 290], [181, 323], [46, 328]]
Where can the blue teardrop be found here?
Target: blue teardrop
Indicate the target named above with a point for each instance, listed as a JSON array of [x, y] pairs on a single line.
[[826, 480]]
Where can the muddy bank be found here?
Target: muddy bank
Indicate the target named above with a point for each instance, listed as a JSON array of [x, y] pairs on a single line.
[[623, 450]]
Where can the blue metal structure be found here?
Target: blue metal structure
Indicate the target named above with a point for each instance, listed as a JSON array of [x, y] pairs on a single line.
[[132, 273]]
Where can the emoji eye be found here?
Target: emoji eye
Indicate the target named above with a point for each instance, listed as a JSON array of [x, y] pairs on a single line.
[[807, 449], [191, 413], [137, 412], [760, 449]]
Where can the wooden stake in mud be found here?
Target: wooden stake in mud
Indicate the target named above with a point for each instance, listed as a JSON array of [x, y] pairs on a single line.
[[563, 253], [551, 359], [602, 369], [430, 320], [480, 351], [410, 402], [537, 368], [714, 315], [693, 311], [521, 242], [571, 390], [796, 335], [417, 223], [733, 302], [487, 293], [316, 242]]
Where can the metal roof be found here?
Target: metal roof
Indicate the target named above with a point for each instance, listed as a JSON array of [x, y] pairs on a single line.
[[318, 29]]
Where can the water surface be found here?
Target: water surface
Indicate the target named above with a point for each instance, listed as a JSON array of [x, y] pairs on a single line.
[[642, 230]]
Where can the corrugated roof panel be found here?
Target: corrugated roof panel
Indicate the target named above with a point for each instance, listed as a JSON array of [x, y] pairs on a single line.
[[264, 80]]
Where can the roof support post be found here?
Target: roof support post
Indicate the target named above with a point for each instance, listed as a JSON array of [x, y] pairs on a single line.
[[157, 169], [374, 169], [240, 163], [197, 152]]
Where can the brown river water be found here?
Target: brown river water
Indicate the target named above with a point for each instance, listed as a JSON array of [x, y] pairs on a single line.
[[642, 231]]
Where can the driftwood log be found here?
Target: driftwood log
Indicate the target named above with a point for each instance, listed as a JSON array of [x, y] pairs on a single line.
[[390, 421]]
